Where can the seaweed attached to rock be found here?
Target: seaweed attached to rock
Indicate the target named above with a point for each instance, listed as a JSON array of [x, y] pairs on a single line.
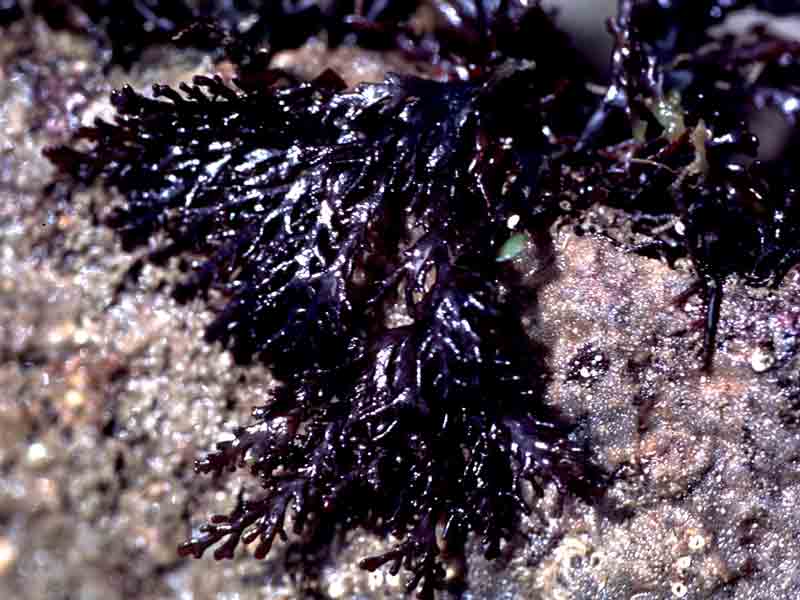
[[355, 235], [671, 144], [122, 29], [463, 38], [126, 28]]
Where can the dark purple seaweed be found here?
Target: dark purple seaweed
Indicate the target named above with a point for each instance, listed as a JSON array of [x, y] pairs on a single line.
[[126, 28], [123, 29], [461, 36], [670, 144], [356, 235]]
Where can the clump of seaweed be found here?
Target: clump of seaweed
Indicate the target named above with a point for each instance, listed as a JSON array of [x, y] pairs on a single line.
[[460, 36], [121, 29], [125, 29], [671, 144], [360, 240], [356, 234]]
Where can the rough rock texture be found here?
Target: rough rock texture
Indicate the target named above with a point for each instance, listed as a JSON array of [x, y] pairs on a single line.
[[109, 393]]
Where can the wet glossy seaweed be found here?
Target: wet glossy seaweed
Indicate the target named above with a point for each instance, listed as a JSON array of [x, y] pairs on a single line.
[[671, 144], [356, 234]]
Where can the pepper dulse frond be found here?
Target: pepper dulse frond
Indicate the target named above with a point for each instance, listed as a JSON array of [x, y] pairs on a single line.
[[356, 234]]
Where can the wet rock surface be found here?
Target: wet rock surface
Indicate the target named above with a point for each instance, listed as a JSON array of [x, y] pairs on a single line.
[[109, 394]]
